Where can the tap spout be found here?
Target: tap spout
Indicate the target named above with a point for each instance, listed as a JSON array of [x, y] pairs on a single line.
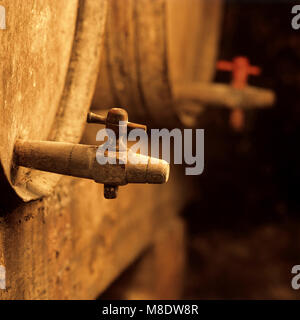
[[80, 160]]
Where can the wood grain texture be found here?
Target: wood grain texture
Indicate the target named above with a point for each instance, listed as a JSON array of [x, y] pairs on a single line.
[[134, 71], [48, 66], [194, 53], [149, 46], [159, 272], [37, 47], [74, 243]]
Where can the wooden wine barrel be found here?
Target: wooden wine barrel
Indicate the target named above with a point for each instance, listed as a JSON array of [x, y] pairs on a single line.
[[49, 61], [150, 47], [73, 243]]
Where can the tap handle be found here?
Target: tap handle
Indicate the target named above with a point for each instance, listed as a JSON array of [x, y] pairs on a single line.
[[95, 118], [114, 116], [112, 121]]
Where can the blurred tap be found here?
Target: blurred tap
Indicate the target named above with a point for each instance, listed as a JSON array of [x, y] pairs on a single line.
[[238, 96]]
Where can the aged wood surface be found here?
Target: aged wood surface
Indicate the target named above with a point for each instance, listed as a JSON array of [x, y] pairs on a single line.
[[149, 46], [194, 54], [159, 272], [74, 243], [48, 66], [33, 68], [133, 71]]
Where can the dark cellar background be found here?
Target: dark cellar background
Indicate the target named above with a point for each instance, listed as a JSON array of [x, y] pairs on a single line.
[[244, 225]]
